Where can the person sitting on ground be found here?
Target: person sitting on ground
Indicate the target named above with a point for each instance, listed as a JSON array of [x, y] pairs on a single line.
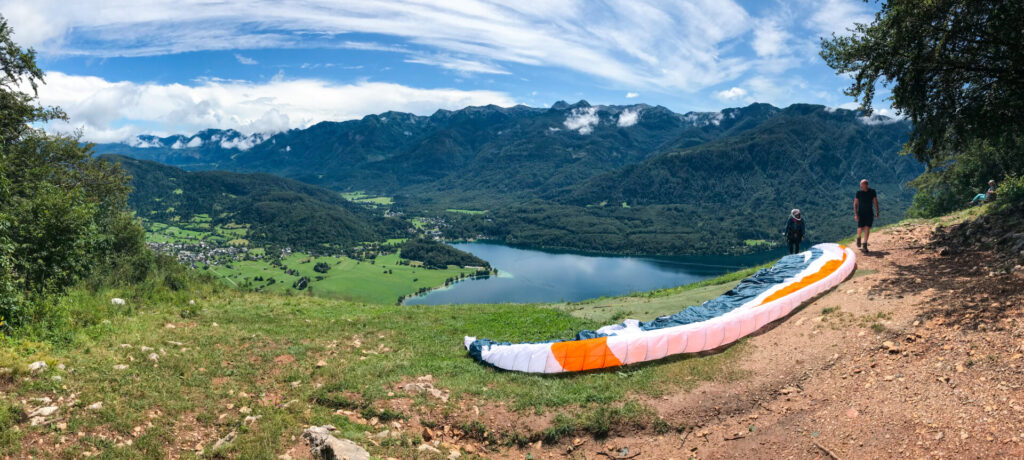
[[794, 231], [988, 196]]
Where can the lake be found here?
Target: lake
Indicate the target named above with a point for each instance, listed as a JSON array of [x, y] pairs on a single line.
[[536, 275]]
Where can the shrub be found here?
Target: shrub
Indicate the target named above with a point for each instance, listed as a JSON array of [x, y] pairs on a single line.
[[1010, 192]]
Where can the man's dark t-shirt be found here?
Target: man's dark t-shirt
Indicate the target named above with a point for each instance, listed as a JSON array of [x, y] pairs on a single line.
[[865, 201]]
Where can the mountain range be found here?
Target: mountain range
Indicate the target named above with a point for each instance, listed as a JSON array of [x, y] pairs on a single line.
[[635, 179]]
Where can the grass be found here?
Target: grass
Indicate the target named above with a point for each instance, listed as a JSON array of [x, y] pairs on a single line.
[[466, 211], [642, 307], [363, 197], [349, 279], [259, 351]]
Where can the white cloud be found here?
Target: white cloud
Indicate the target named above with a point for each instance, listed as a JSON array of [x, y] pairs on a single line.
[[242, 142], [460, 65], [144, 144], [770, 40], [838, 15], [631, 95], [628, 118], [878, 119], [582, 119], [731, 94], [681, 46], [97, 105], [244, 60]]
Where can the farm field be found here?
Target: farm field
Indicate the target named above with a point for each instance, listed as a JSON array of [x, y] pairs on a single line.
[[349, 279], [364, 198]]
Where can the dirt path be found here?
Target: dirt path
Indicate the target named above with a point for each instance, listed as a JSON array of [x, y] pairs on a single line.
[[918, 355]]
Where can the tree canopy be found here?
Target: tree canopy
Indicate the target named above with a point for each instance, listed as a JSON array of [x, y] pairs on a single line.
[[956, 71], [63, 214]]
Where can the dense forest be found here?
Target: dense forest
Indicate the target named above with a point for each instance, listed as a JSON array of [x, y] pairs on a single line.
[[278, 211], [438, 255]]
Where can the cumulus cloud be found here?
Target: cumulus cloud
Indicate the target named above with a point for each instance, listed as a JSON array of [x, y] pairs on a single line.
[[731, 94], [640, 43], [109, 111], [244, 60], [582, 119], [628, 118], [631, 95]]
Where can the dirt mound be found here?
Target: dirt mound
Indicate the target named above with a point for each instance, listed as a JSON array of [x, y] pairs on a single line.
[[1000, 233]]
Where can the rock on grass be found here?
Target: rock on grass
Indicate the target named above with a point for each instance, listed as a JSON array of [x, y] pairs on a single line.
[[322, 445]]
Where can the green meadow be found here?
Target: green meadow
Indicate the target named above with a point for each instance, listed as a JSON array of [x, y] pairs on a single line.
[[364, 198], [380, 281]]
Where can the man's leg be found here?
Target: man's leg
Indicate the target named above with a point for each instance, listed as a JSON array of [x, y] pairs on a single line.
[[859, 229], [867, 233]]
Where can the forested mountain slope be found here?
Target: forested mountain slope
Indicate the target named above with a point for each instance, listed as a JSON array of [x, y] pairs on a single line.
[[637, 179], [513, 150], [278, 211]]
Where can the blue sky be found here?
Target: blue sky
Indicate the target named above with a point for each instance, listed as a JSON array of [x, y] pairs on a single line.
[[121, 68]]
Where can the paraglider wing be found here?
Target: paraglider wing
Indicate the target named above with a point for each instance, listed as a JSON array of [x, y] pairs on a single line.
[[766, 296]]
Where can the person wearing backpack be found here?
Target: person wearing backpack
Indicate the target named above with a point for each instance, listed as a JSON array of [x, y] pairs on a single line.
[[794, 231]]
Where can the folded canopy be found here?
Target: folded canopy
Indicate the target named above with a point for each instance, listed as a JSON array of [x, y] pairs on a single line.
[[768, 295]]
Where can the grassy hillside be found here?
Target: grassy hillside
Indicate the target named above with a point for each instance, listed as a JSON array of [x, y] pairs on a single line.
[[191, 379]]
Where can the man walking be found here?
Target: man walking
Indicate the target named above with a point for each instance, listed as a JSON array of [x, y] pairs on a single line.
[[862, 212]]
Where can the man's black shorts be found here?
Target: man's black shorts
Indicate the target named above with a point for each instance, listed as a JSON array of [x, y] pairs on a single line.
[[865, 219]]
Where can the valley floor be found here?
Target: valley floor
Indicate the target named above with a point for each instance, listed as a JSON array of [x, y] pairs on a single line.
[[918, 355]]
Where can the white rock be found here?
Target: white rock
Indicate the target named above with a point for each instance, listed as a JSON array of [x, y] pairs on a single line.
[[145, 348], [95, 406], [225, 440], [154, 357], [120, 367], [428, 448], [44, 411], [117, 301], [37, 366], [323, 445]]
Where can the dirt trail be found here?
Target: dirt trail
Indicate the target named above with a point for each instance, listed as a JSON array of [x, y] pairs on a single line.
[[918, 355]]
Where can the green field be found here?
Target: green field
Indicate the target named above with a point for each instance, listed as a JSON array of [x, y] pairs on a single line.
[[196, 230], [643, 308], [466, 211], [348, 279], [362, 197]]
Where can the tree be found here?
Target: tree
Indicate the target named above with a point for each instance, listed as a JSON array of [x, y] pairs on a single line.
[[956, 70], [63, 214]]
